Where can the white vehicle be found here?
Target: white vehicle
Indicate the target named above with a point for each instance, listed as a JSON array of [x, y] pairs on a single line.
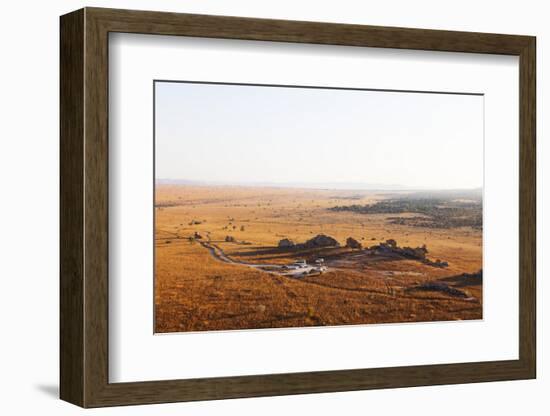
[[320, 266], [300, 268], [298, 264]]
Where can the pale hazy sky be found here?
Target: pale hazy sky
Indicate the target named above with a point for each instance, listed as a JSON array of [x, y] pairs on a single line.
[[257, 134]]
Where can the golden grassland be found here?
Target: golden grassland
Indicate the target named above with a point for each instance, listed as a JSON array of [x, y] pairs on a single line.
[[195, 291]]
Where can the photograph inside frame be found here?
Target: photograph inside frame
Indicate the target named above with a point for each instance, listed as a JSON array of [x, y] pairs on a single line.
[[292, 206]]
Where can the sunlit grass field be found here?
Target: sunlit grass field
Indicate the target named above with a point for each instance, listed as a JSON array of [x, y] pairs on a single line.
[[194, 291]]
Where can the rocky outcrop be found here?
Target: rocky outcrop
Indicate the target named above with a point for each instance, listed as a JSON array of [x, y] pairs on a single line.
[[415, 253], [390, 247], [353, 243], [391, 242], [437, 263], [319, 241], [286, 243], [441, 287], [229, 239]]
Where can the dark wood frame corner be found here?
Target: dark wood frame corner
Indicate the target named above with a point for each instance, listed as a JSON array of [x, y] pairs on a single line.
[[84, 207]]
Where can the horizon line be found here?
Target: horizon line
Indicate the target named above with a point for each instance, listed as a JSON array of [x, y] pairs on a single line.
[[339, 186]]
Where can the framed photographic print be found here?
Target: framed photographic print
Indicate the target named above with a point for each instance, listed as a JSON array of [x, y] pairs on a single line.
[[255, 207]]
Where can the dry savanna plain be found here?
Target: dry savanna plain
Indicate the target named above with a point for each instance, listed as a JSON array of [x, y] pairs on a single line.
[[242, 257]]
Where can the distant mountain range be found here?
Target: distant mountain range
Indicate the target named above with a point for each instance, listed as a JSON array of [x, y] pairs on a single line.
[[358, 186]]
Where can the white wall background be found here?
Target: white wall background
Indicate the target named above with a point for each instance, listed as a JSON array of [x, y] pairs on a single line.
[[29, 212]]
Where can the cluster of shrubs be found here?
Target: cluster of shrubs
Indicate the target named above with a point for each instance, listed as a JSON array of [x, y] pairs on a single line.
[[437, 212]]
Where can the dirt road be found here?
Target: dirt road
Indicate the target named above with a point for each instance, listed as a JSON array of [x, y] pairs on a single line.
[[220, 255]]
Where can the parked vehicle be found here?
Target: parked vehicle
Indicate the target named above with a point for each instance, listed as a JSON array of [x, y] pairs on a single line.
[[298, 264], [300, 268]]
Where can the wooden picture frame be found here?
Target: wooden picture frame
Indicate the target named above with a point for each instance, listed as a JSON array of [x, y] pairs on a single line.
[[84, 207]]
